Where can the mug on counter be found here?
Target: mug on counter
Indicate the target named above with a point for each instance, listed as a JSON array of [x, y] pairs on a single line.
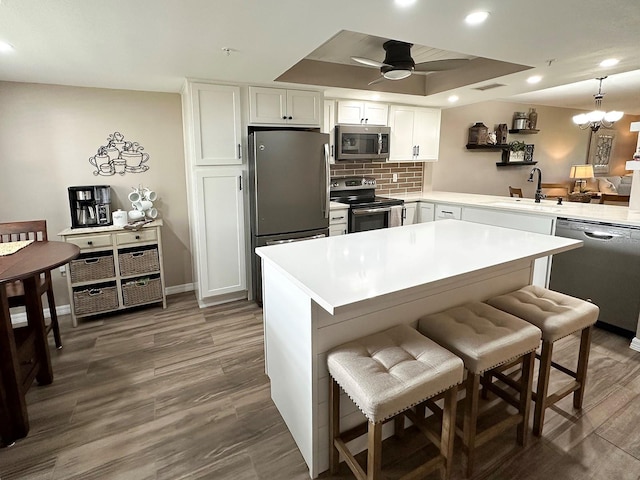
[[134, 196], [136, 214], [142, 205]]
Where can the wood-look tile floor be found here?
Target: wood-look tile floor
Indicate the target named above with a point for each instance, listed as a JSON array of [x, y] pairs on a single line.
[[181, 393]]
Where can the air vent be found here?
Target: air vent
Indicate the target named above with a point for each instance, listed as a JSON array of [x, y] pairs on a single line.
[[489, 87]]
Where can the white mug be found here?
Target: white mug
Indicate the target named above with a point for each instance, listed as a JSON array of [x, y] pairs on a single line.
[[134, 196], [136, 215], [150, 195], [142, 205], [151, 213]]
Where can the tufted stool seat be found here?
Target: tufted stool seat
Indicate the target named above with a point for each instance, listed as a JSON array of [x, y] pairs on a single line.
[[557, 315], [485, 338], [385, 374]]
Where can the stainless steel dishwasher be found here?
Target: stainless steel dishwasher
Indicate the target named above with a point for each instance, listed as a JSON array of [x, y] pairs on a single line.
[[606, 270]]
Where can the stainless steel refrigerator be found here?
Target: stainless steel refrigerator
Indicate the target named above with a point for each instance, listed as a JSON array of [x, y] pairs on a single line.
[[289, 176]]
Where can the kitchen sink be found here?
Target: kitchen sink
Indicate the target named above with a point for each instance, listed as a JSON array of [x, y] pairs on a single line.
[[527, 204]]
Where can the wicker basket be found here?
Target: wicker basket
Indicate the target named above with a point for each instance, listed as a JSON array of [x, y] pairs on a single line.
[[138, 262], [95, 300], [141, 291], [93, 268]]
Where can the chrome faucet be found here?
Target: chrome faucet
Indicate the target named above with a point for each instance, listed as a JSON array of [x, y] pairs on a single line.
[[539, 194]]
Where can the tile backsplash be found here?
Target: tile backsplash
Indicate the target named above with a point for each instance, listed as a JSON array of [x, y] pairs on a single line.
[[409, 175]]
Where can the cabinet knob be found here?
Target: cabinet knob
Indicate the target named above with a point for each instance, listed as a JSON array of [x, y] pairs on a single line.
[[366, 120], [137, 237], [290, 118], [89, 242], [284, 118]]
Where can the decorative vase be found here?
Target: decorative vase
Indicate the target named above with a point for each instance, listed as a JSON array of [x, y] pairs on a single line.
[[533, 118], [478, 134]]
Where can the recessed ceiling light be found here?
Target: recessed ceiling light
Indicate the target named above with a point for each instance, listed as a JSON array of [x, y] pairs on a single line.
[[453, 99], [476, 18], [404, 3], [6, 47], [609, 62], [534, 79]]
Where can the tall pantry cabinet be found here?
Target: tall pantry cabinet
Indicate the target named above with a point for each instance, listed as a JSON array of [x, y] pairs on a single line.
[[215, 190]]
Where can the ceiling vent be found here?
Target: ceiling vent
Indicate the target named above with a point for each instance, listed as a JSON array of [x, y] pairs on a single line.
[[489, 87]]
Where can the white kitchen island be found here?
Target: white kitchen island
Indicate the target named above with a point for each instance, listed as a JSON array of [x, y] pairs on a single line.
[[321, 293]]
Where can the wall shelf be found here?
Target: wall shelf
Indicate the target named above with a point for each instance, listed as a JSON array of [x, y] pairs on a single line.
[[524, 131], [490, 148], [514, 164]]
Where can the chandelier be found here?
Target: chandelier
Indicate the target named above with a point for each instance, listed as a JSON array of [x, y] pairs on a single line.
[[597, 118]]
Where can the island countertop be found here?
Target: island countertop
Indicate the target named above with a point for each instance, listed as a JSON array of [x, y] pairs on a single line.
[[346, 269]]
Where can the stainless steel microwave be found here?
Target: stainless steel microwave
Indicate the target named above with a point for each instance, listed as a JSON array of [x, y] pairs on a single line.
[[362, 142]]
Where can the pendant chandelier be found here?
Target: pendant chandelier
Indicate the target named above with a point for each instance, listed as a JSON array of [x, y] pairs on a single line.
[[598, 117]]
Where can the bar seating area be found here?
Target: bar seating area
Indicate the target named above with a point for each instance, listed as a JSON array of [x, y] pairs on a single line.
[[402, 371]]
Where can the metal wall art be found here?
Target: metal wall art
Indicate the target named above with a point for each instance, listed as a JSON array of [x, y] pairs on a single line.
[[601, 150], [119, 156]]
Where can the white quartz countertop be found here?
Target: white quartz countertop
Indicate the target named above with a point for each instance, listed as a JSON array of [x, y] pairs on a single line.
[[346, 269]]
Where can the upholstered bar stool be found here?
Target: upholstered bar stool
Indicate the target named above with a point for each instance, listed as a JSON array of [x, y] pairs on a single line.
[[385, 374], [485, 338], [557, 315]]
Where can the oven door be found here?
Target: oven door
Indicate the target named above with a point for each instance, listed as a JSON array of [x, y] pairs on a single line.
[[363, 219]]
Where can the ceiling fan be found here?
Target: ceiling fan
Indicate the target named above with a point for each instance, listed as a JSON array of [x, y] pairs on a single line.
[[398, 63]]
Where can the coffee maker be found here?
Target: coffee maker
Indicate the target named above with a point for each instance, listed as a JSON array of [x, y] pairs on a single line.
[[90, 206]]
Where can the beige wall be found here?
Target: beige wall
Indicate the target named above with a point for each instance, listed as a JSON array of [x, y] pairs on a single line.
[[48, 133], [558, 145]]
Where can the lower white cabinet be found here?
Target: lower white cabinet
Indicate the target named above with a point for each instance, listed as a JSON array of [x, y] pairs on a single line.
[[410, 213], [219, 229], [426, 212], [338, 221], [444, 211], [117, 269], [517, 221]]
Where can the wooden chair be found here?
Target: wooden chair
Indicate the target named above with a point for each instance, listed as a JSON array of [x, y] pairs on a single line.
[[614, 199], [33, 230], [557, 189], [515, 192]]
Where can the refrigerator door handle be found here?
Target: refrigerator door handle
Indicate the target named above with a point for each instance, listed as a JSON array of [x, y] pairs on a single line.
[[327, 180]]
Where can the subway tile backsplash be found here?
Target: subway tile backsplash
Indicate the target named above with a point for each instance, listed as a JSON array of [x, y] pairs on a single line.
[[409, 175]]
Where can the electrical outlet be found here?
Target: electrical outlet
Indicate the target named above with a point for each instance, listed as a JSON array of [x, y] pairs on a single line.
[[63, 271], [395, 177]]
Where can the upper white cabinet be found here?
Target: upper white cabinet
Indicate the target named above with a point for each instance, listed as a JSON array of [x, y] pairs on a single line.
[[415, 134], [354, 112], [329, 126], [215, 124], [279, 106]]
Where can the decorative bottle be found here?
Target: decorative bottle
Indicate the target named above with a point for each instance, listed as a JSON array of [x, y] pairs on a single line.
[[533, 118]]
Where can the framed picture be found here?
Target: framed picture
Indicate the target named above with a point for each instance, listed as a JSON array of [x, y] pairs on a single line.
[[528, 153], [601, 150]]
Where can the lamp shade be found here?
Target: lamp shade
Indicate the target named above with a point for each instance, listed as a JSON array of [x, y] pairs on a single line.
[[581, 171]]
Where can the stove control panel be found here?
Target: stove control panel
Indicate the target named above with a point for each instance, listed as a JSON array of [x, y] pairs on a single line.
[[352, 183]]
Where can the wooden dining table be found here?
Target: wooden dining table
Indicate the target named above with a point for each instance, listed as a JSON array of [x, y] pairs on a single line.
[[24, 351]]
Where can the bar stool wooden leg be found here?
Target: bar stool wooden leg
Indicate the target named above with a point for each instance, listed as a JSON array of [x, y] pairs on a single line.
[[448, 435], [374, 451], [543, 387], [398, 425], [525, 396], [334, 425], [583, 362], [471, 418]]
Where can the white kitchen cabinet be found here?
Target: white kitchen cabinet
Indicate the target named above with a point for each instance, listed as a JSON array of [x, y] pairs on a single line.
[[338, 221], [214, 133], [410, 213], [220, 236], [355, 112], [279, 106], [444, 211], [517, 221], [415, 134], [426, 212], [329, 126]]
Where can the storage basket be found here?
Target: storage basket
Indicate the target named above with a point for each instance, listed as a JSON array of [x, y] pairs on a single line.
[[95, 300], [142, 290], [137, 262], [92, 268]]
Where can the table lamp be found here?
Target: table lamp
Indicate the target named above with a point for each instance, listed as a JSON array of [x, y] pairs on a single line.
[[580, 173]]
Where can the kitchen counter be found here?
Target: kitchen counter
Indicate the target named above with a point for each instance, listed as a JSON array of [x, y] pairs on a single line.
[[321, 293], [583, 211]]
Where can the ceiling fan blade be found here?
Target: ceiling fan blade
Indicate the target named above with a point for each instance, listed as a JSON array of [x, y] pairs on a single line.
[[377, 80], [369, 62], [441, 65]]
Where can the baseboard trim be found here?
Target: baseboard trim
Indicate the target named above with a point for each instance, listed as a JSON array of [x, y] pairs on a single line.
[[635, 344], [20, 318]]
